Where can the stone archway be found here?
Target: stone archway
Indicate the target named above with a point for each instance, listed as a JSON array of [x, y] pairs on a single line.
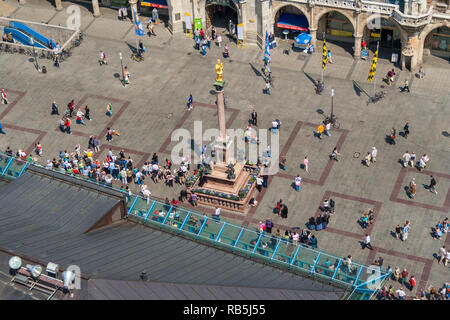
[[324, 11], [288, 8], [426, 41], [301, 9]]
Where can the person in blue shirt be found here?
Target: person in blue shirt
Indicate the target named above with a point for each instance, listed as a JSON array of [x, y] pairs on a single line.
[[1, 130], [190, 102]]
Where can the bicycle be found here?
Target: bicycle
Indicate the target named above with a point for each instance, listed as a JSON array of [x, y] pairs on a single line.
[[377, 97], [333, 121], [137, 57]]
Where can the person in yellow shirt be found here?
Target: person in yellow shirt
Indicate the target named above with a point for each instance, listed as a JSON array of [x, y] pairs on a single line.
[[320, 131]]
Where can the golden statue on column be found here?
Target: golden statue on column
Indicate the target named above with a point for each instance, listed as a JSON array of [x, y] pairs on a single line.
[[219, 71]]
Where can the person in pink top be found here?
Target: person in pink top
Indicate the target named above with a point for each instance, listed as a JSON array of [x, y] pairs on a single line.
[[305, 163]]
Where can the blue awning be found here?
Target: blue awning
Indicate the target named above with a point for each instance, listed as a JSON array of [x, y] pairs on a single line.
[[293, 22], [155, 3]]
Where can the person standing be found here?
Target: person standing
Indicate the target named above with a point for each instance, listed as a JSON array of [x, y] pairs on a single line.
[[266, 88], [442, 254], [432, 186], [392, 136], [421, 72], [398, 231], [329, 59], [254, 118], [54, 108], [71, 107], [283, 162], [3, 96], [320, 129], [306, 163], [400, 294], [412, 187], [405, 230], [404, 277], [219, 40], [406, 158], [87, 113], [284, 211], [406, 130], [213, 32], [373, 155], [67, 125], [412, 159], [126, 76], [102, 60], [367, 242], [298, 182], [328, 128], [217, 214], [412, 283], [1, 129], [259, 183]]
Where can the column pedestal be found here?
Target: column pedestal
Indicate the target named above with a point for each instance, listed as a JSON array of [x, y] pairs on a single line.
[[58, 5], [95, 8]]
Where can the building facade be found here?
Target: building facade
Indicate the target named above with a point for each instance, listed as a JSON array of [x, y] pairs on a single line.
[[410, 28]]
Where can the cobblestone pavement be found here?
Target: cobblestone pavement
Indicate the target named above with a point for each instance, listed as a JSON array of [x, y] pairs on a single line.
[[146, 112]]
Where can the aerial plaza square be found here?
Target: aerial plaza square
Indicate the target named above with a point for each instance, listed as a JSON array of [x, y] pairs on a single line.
[[269, 140]]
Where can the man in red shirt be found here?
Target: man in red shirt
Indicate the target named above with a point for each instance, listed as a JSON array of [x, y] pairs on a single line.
[[363, 44], [67, 125]]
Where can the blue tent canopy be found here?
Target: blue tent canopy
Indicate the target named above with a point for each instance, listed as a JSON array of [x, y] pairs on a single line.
[[293, 22], [303, 38]]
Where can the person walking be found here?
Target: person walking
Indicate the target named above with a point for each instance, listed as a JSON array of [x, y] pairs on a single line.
[[254, 118], [400, 293], [298, 182], [447, 258], [367, 159], [109, 110], [406, 130], [3, 96], [405, 87], [283, 162], [405, 230], [284, 211], [442, 254], [334, 155], [367, 242], [373, 155], [404, 277], [190, 102], [306, 163], [406, 158], [1, 129], [266, 89], [412, 188], [432, 186], [396, 273], [320, 131], [219, 40]]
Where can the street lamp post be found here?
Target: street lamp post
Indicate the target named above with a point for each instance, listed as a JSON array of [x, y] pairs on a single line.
[[332, 100], [121, 64], [34, 52]]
